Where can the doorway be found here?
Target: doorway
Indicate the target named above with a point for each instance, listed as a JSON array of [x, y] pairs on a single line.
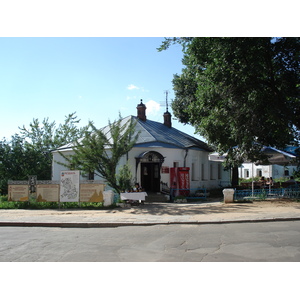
[[150, 177]]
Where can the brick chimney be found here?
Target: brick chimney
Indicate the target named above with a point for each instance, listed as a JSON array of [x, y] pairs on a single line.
[[141, 111], [167, 119]]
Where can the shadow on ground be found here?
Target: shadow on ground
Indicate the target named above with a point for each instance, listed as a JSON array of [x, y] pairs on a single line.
[[177, 209], [211, 206]]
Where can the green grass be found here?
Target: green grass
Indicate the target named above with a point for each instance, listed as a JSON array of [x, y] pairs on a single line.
[[33, 204]]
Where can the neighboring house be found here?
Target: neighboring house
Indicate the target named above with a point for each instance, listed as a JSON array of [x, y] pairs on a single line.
[[282, 170], [275, 171], [159, 148]]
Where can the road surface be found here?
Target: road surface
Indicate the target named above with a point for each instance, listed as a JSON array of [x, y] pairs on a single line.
[[245, 242]]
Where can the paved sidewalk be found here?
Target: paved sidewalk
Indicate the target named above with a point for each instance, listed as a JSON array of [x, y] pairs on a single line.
[[155, 213]]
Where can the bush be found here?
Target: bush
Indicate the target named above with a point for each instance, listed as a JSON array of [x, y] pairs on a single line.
[[3, 198], [33, 204], [248, 179]]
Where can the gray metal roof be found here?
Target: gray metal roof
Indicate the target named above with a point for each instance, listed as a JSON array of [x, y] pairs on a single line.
[[157, 134]]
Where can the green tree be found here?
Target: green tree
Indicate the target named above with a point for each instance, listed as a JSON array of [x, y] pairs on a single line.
[[18, 160], [28, 153], [125, 178], [101, 150], [240, 93], [45, 136]]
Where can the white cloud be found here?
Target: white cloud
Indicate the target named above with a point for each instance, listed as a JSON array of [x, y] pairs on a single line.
[[152, 108], [132, 87]]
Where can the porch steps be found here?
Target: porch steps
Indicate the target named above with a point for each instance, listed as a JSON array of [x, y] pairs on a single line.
[[157, 197]]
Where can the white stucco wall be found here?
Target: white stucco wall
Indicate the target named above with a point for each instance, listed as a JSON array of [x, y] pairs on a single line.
[[57, 168], [274, 171], [203, 173]]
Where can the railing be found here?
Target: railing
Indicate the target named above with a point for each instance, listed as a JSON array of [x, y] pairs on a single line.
[[189, 194], [164, 188], [262, 194], [292, 193]]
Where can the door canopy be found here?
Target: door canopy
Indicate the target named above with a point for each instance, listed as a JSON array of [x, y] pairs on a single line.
[[150, 157]]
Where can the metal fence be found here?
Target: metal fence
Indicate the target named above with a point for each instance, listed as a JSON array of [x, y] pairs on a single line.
[[189, 194], [262, 194]]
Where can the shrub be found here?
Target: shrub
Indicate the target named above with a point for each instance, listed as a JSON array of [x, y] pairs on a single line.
[[33, 204]]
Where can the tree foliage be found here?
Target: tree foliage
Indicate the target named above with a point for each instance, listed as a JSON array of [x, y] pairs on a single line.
[[28, 153], [125, 178], [18, 160], [47, 136], [101, 150], [240, 93]]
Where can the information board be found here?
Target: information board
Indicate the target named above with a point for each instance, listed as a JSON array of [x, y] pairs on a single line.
[[91, 192], [18, 192], [69, 186], [47, 192]]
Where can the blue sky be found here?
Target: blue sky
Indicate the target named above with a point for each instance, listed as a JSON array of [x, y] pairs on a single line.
[[47, 70], [95, 77]]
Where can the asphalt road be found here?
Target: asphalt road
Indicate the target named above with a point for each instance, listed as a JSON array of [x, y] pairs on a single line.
[[246, 242]]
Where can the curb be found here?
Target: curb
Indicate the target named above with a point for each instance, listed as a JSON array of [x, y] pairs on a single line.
[[123, 224]]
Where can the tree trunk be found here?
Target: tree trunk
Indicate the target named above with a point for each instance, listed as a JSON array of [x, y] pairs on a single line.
[[235, 176]]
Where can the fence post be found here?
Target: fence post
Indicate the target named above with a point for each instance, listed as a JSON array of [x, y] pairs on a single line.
[[171, 195]]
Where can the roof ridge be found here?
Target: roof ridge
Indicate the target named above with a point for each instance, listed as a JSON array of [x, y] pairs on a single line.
[[154, 131]]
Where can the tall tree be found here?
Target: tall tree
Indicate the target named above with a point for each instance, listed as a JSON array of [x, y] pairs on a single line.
[[28, 153], [18, 160], [47, 136], [101, 150], [240, 93]]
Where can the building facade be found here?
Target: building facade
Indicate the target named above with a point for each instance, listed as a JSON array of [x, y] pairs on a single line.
[[249, 170], [159, 148]]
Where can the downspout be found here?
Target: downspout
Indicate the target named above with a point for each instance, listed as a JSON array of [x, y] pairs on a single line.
[[186, 153]]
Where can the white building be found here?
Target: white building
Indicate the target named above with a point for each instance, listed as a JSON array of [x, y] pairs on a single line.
[[159, 148], [247, 170]]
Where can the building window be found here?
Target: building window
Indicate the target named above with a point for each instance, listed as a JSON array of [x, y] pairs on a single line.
[[211, 171], [219, 171], [202, 172], [286, 172], [193, 172], [246, 173], [259, 172]]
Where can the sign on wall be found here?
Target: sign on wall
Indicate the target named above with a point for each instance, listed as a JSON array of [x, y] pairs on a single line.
[[32, 183], [91, 192], [18, 192], [165, 170], [47, 192], [69, 186]]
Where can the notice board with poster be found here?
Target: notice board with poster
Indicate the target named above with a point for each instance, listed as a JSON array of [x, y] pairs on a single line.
[[18, 192], [47, 192], [69, 186], [91, 192]]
